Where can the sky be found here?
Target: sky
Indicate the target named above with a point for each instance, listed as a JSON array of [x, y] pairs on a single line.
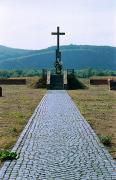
[[28, 24]]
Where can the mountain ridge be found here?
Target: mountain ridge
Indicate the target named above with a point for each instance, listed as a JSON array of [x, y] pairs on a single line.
[[73, 56]]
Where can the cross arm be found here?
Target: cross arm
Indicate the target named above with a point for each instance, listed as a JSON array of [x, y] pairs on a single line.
[[55, 33]]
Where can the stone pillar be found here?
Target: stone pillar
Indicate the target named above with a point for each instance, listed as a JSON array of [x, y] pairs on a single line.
[[112, 84], [65, 79], [0, 91], [44, 73], [48, 79]]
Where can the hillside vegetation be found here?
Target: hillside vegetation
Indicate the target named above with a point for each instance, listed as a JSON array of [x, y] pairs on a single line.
[[73, 56]]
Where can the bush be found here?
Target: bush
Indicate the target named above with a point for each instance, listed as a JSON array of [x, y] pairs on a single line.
[[7, 155], [106, 140]]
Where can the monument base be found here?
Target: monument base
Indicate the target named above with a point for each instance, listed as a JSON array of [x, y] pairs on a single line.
[[58, 81]]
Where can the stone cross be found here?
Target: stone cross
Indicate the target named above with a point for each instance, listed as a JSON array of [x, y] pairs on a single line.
[[58, 33], [58, 64]]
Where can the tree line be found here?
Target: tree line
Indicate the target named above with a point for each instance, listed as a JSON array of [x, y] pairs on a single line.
[[83, 73], [89, 72]]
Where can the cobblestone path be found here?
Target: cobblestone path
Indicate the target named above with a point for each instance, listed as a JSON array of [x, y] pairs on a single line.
[[58, 144]]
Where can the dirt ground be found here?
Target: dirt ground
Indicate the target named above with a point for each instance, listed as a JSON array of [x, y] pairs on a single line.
[[16, 107]]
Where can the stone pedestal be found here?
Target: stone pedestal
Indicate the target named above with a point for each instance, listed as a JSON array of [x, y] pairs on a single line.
[[56, 81], [0, 91]]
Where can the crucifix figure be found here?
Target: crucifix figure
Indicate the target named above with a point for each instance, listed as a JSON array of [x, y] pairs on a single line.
[[58, 63]]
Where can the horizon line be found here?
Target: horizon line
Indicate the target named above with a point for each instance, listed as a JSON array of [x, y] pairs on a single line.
[[60, 46]]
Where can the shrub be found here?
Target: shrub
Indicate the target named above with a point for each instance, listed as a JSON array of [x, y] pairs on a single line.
[[106, 140], [7, 155]]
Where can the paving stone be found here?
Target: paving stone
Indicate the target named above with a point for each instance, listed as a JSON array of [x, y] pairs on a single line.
[[58, 144]]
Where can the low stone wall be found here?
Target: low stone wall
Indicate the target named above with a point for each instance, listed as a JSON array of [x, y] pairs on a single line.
[[98, 81], [12, 81]]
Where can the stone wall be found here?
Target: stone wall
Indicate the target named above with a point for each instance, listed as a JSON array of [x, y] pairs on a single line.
[[98, 81], [12, 81]]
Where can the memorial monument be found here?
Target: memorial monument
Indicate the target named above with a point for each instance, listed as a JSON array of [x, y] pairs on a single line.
[[58, 80], [58, 62]]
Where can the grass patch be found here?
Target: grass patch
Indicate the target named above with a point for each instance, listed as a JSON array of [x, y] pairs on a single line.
[[36, 82], [97, 104], [75, 83]]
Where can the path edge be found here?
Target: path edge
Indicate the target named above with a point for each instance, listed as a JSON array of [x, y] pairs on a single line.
[[95, 136], [6, 164]]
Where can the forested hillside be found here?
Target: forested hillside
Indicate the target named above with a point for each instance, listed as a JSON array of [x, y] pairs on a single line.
[[73, 56]]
